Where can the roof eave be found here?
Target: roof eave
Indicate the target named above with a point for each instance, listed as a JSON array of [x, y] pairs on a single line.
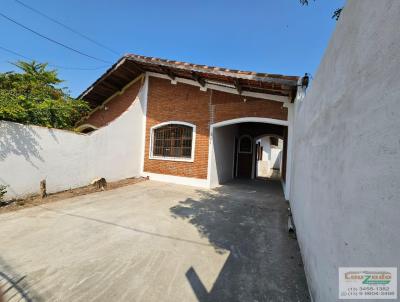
[[143, 64]]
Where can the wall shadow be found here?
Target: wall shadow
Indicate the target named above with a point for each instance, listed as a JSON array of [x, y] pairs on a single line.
[[248, 219], [19, 140], [15, 287]]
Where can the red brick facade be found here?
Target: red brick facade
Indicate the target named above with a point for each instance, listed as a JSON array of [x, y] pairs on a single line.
[[180, 102], [227, 106], [187, 103]]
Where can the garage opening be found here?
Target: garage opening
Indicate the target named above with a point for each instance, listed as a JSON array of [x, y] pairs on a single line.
[[248, 150]]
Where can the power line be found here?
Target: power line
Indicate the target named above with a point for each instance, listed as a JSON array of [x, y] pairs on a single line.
[[52, 65], [52, 40], [15, 53], [66, 27]]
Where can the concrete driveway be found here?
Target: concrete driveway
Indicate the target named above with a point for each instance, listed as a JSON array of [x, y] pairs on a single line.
[[154, 242]]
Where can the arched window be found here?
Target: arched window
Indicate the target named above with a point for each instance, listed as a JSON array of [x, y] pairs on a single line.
[[173, 141], [245, 144], [86, 128]]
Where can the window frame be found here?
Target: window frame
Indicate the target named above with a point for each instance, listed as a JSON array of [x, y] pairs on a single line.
[[251, 144], [171, 158]]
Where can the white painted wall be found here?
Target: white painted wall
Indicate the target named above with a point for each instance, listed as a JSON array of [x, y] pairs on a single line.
[[271, 158], [263, 166], [222, 154], [66, 159], [345, 193], [276, 155]]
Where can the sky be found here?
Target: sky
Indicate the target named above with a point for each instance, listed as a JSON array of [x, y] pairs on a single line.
[[271, 36]]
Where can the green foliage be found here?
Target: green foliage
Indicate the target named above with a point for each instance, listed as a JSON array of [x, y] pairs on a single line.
[[335, 15], [32, 97], [3, 191]]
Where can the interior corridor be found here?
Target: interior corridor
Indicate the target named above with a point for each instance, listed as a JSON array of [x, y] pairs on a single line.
[[248, 150]]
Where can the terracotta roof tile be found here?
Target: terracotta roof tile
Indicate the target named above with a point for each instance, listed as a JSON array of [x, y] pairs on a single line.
[[131, 65]]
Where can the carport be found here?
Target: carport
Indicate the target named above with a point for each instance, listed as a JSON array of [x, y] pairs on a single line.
[[233, 149]]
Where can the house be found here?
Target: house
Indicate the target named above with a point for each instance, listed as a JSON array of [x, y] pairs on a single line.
[[340, 155], [200, 123]]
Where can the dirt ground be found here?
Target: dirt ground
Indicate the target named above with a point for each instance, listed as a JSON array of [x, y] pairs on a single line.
[[34, 200]]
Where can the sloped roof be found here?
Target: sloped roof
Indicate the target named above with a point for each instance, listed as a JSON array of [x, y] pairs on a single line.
[[130, 66]]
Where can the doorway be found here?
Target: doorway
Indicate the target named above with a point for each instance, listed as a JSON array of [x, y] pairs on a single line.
[[244, 157], [269, 149]]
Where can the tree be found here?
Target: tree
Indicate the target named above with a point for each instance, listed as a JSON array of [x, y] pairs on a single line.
[[32, 97], [336, 13]]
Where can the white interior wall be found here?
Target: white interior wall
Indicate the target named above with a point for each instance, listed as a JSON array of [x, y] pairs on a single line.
[[271, 158], [346, 179], [263, 166], [222, 154], [276, 155], [66, 159], [265, 143]]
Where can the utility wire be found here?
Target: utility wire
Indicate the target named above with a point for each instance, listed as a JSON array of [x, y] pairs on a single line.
[[52, 40], [66, 27], [52, 65], [15, 53]]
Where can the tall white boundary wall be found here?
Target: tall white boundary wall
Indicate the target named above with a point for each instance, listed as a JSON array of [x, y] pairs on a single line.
[[345, 193], [67, 159]]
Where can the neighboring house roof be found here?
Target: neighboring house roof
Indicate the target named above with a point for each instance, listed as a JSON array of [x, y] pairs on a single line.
[[130, 66]]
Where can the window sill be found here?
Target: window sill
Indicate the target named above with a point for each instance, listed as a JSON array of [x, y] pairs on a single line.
[[190, 160]]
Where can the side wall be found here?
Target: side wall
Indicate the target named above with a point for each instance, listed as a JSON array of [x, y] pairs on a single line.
[[115, 106], [66, 159], [346, 179], [222, 155]]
